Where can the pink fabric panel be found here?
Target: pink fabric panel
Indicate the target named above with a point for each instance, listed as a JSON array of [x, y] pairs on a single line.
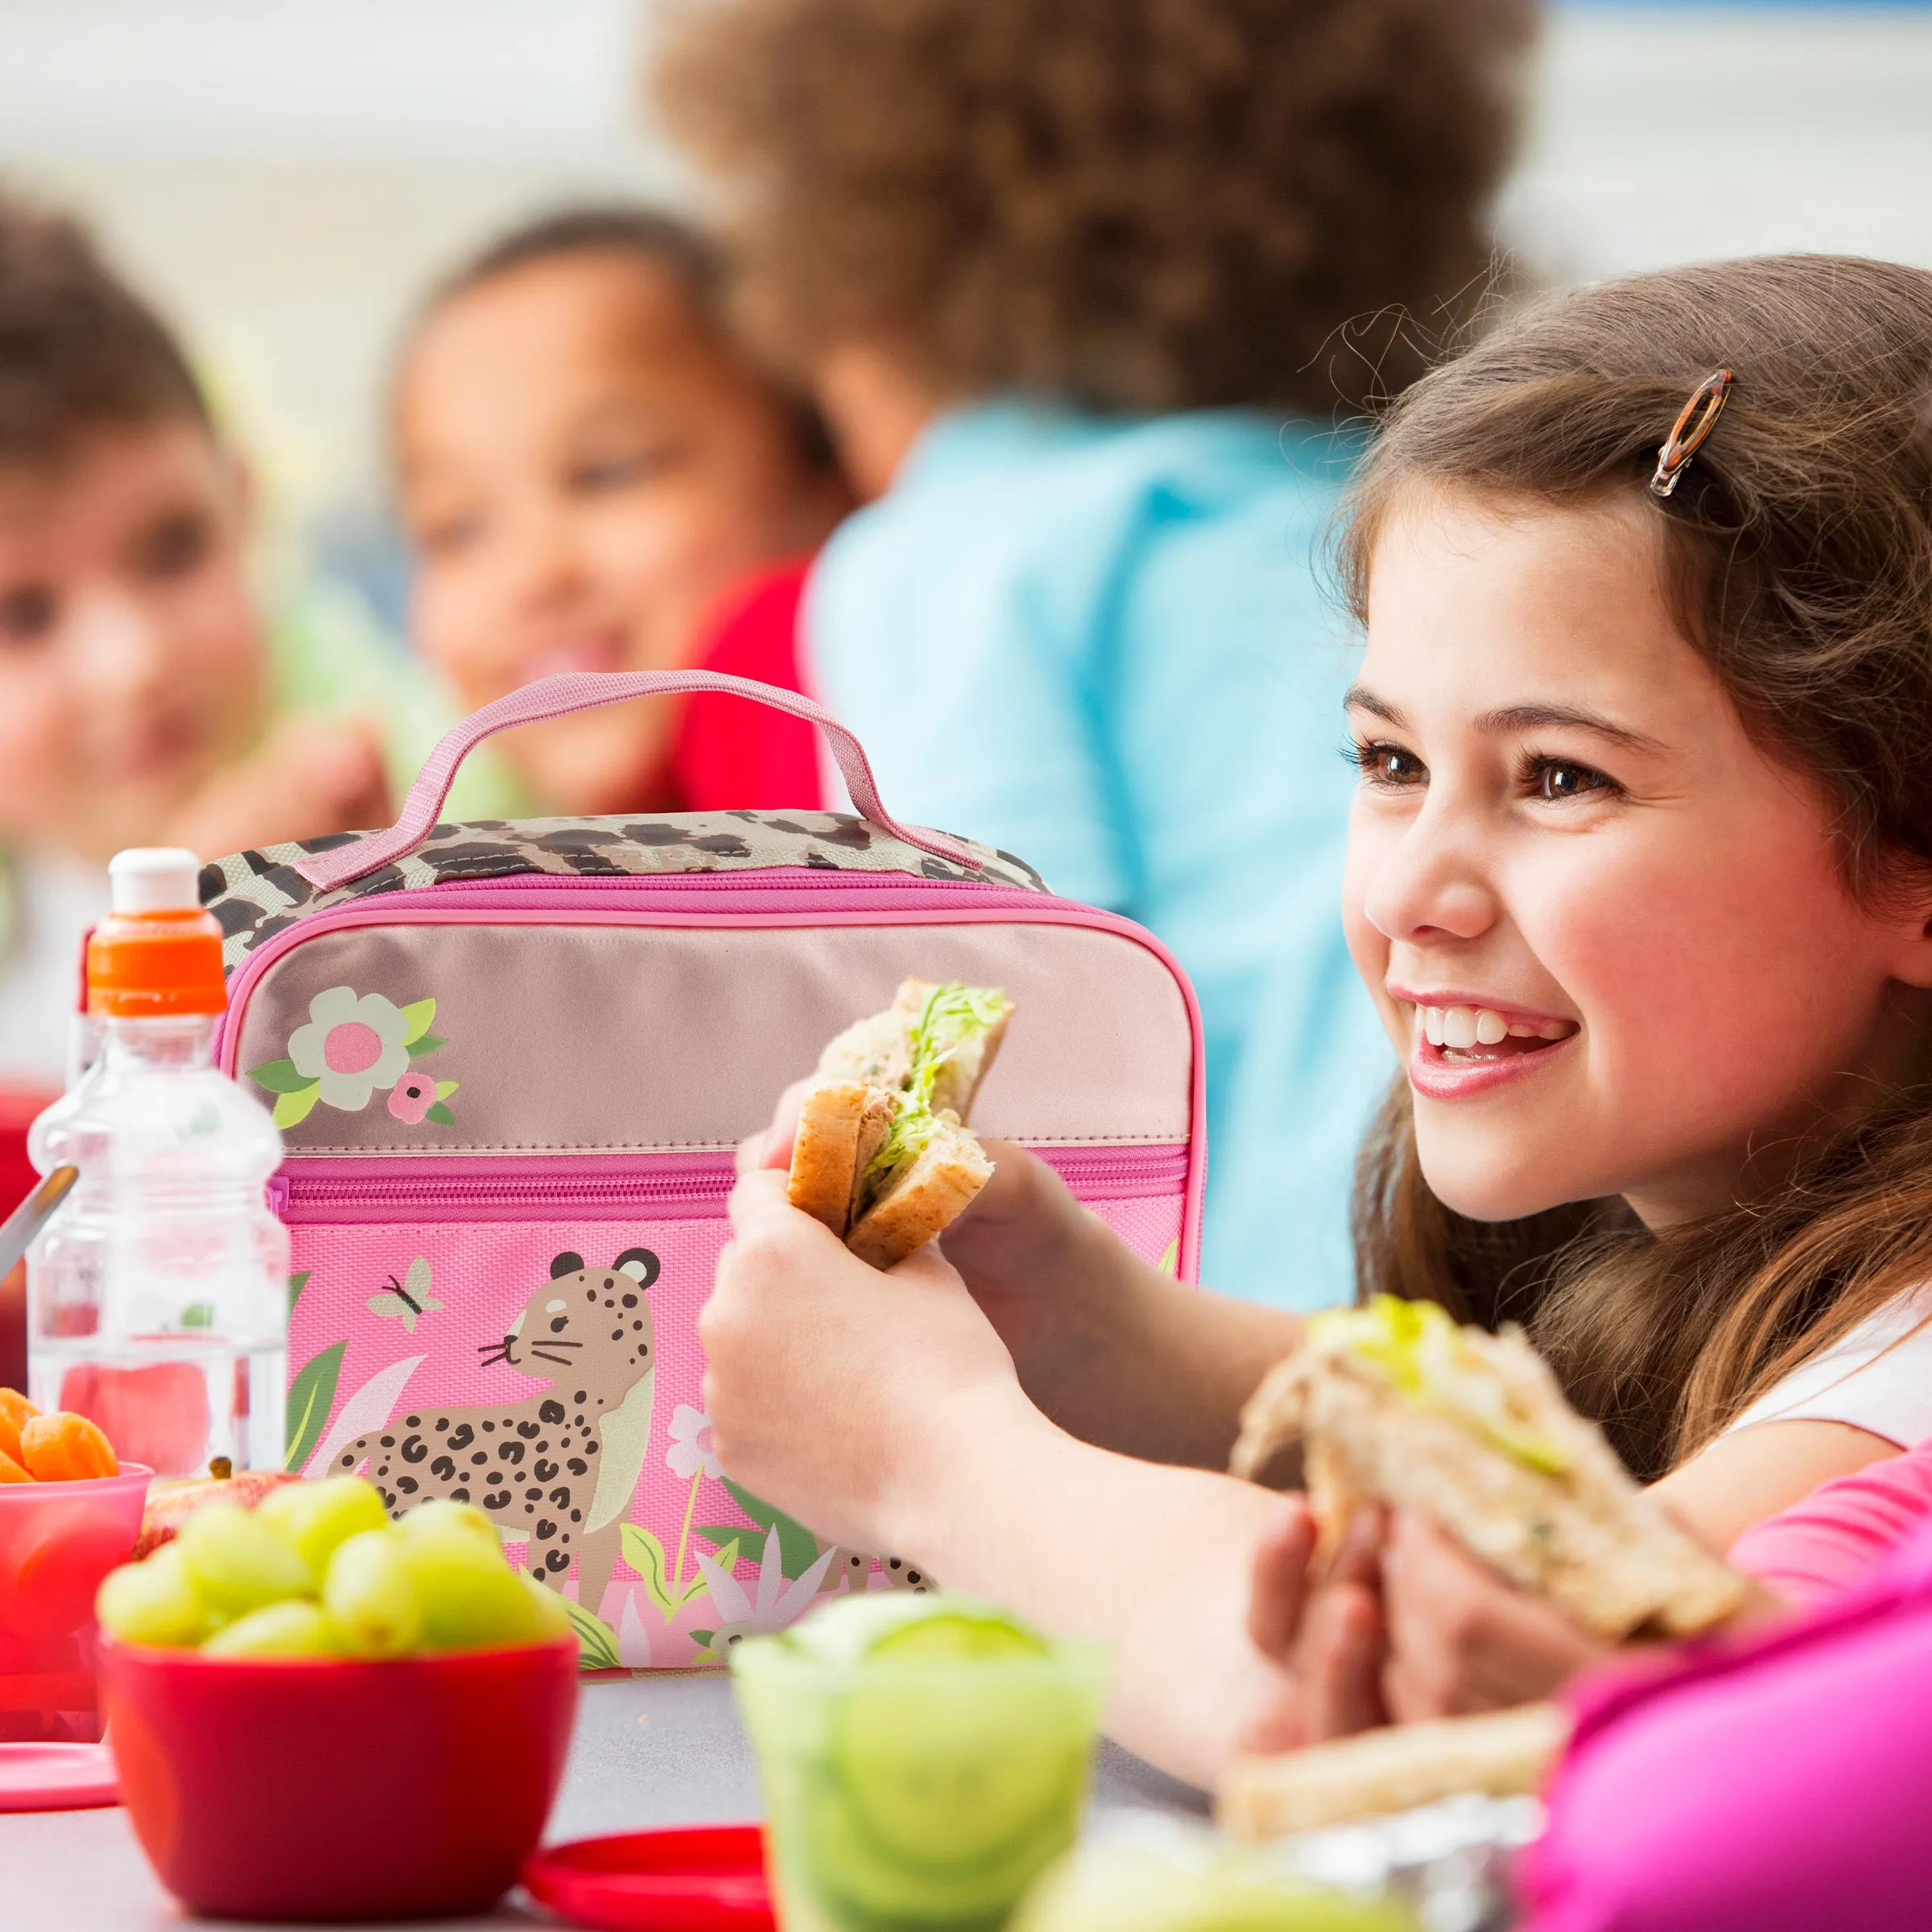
[[1150, 1226], [1779, 1788], [1843, 1532], [613, 1038]]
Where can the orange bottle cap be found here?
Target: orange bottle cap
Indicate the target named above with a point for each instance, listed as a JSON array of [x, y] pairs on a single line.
[[157, 953]]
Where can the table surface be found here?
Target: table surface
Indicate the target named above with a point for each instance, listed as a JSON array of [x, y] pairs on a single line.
[[652, 1751]]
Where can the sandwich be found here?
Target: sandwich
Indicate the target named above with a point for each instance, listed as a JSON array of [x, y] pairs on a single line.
[[1496, 1753], [1393, 1403], [883, 1155]]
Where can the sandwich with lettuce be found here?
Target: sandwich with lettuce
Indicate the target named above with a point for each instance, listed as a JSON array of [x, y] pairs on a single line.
[[883, 1155], [1394, 1403]]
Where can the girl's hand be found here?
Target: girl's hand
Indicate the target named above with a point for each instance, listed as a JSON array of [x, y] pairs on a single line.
[[1042, 1267], [1462, 1640], [310, 776], [831, 1387], [1328, 1640]]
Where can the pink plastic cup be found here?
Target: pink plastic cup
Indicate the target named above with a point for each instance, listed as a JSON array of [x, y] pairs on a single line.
[[57, 1540]]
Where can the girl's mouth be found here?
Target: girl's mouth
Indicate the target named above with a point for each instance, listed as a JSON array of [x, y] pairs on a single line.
[[1463, 1049]]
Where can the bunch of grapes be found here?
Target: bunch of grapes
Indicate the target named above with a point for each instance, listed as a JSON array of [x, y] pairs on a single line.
[[318, 1569]]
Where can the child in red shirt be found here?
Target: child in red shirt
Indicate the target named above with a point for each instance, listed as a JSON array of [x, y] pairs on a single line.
[[594, 476]]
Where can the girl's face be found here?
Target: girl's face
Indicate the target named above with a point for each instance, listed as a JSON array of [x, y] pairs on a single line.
[[585, 469], [1608, 933]]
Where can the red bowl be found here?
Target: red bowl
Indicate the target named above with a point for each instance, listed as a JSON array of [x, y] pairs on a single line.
[[317, 1789]]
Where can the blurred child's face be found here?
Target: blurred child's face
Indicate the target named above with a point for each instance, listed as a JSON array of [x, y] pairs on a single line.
[[131, 665], [1608, 935], [585, 469]]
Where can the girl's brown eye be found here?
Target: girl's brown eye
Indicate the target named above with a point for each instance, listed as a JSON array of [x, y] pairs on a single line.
[[1388, 765], [27, 614], [1557, 780]]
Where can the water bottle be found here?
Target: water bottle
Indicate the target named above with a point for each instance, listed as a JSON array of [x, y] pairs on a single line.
[[158, 1295]]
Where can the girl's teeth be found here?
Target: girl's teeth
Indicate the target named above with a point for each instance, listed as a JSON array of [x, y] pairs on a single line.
[[1461, 1027]]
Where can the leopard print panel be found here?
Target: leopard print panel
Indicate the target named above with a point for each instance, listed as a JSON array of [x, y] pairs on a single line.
[[254, 895], [558, 1468]]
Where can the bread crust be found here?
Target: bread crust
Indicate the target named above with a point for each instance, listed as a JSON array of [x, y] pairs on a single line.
[[830, 1122], [923, 1199], [1499, 1754]]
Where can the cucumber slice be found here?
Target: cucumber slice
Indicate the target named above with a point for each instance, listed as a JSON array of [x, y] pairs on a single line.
[[864, 1888], [950, 1771]]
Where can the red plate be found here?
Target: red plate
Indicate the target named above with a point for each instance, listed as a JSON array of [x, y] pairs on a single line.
[[56, 1777], [707, 1878]]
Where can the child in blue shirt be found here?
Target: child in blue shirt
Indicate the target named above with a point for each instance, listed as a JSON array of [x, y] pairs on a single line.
[[1075, 288]]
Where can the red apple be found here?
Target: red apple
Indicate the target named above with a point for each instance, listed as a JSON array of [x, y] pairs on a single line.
[[172, 1499]]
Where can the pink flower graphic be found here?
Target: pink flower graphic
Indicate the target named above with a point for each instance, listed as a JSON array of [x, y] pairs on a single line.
[[411, 1097]]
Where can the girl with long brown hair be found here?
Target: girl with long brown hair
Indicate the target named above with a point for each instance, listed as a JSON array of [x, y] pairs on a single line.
[[1640, 880]]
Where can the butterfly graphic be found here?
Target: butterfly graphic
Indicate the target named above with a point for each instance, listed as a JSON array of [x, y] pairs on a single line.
[[404, 1300]]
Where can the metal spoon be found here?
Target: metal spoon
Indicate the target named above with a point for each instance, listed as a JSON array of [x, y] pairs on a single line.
[[18, 1230]]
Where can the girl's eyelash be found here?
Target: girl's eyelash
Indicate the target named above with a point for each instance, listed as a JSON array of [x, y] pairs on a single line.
[[1371, 757], [1536, 770]]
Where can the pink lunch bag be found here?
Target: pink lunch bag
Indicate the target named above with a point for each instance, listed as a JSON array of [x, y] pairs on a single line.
[[1783, 1785], [510, 1062]]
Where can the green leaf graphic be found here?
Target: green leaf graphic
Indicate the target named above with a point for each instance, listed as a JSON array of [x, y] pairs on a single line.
[[798, 1547], [1169, 1263], [296, 1284], [441, 1115], [427, 1044], [198, 1314], [646, 1555], [281, 1076], [295, 1106], [702, 1638], [597, 1641], [418, 1014], [445, 1089], [310, 1397]]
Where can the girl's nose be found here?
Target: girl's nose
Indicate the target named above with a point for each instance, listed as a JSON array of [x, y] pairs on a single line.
[[1429, 884], [118, 645], [545, 567]]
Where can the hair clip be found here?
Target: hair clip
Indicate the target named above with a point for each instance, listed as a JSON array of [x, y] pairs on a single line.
[[1694, 422]]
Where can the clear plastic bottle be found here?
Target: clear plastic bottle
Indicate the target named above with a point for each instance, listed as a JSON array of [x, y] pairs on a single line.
[[158, 1296]]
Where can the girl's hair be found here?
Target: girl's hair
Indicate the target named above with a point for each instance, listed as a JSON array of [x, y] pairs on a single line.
[[1143, 204], [1797, 549], [637, 233]]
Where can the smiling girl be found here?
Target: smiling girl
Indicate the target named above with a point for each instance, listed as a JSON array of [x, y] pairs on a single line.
[[1640, 871]]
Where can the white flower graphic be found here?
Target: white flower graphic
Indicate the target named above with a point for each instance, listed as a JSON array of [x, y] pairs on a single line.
[[691, 1449], [351, 1047], [777, 1604]]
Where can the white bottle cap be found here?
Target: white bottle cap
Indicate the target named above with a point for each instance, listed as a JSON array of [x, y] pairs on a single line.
[[154, 878]]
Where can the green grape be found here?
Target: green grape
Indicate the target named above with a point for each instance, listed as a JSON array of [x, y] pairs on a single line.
[[293, 1628], [472, 1599], [438, 1517], [550, 1614], [155, 1602], [314, 1518], [238, 1563], [372, 1593]]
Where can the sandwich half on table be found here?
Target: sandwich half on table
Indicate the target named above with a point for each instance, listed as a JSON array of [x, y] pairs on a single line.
[[883, 1155]]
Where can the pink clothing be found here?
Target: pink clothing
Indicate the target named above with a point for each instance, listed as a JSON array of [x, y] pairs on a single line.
[[1778, 1785], [1842, 1532]]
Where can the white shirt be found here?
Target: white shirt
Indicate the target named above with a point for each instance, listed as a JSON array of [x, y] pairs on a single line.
[[1878, 1377]]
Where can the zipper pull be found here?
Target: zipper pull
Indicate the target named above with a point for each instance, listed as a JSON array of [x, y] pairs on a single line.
[[277, 1194]]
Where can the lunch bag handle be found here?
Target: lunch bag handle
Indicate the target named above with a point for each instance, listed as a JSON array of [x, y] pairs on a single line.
[[556, 697]]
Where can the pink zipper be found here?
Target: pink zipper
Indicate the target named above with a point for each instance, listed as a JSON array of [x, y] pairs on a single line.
[[328, 1189]]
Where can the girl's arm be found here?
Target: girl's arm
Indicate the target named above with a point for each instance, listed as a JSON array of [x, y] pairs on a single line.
[[1117, 1353], [884, 1410], [1742, 1478]]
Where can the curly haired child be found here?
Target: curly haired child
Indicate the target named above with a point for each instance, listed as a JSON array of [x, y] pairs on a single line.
[[1081, 289]]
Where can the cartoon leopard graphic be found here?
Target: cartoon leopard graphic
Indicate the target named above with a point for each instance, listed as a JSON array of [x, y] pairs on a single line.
[[559, 1467]]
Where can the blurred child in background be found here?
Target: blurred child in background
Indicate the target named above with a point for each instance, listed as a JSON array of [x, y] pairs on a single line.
[[145, 699], [1077, 288], [594, 476]]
